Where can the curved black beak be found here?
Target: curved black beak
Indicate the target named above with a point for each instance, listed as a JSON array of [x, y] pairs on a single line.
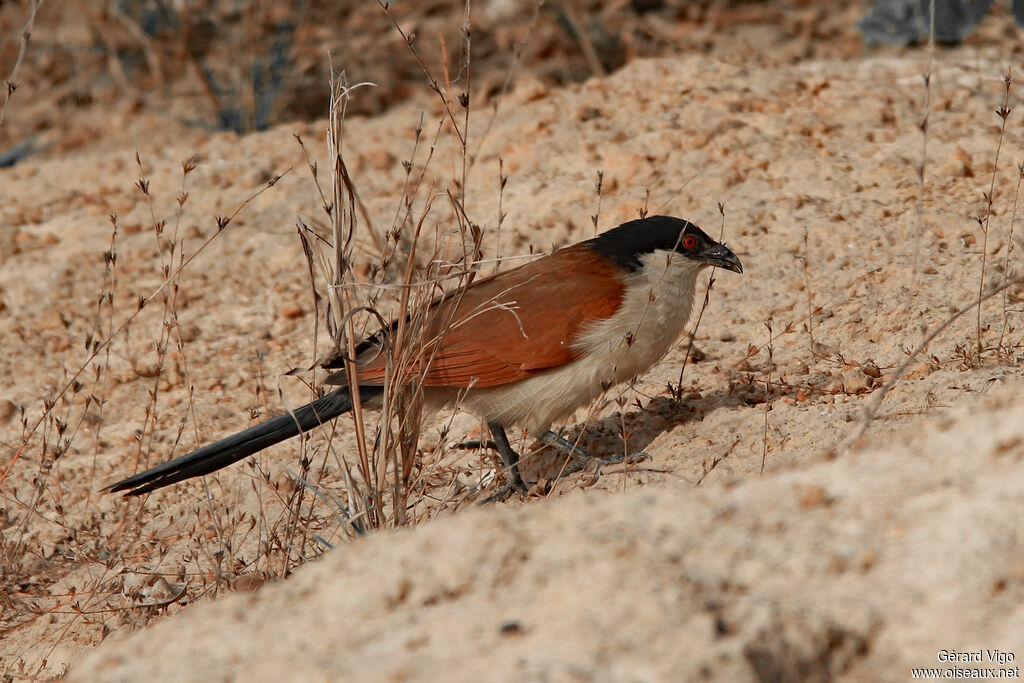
[[721, 256]]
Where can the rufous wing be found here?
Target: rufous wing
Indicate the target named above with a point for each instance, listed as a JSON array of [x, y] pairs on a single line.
[[512, 325]]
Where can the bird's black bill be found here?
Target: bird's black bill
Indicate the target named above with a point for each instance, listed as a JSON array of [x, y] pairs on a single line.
[[721, 256]]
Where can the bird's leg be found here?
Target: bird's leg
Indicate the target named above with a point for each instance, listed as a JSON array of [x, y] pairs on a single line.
[[549, 438], [510, 459]]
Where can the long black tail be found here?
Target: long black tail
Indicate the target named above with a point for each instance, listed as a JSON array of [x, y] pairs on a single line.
[[218, 455]]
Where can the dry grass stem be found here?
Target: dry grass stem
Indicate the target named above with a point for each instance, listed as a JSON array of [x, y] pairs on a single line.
[[1007, 266], [677, 393], [767, 393], [11, 84], [984, 221]]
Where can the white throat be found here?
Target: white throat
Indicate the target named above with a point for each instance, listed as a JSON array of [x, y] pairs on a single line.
[[653, 315]]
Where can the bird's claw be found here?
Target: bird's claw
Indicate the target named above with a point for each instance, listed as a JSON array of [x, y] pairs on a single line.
[[515, 484], [629, 459], [636, 458]]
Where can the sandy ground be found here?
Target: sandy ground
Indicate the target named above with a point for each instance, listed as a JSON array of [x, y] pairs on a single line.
[[844, 558], [858, 568]]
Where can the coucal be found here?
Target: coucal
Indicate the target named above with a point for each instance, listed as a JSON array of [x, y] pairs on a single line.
[[525, 347]]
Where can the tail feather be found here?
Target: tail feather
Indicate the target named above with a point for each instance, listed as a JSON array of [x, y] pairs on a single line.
[[220, 454]]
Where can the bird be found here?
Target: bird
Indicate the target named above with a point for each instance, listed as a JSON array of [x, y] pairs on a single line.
[[523, 348]]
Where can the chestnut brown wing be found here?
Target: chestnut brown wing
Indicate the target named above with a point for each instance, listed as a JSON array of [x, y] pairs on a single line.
[[514, 324]]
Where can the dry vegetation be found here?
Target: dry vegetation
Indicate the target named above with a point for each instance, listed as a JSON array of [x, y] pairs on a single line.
[[194, 281]]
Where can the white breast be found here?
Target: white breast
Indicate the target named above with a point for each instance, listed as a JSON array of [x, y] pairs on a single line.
[[658, 302]]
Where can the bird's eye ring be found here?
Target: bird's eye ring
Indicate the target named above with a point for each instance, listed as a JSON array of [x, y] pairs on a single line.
[[689, 242]]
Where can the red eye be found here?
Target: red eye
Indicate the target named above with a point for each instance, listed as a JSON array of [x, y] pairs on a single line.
[[689, 242]]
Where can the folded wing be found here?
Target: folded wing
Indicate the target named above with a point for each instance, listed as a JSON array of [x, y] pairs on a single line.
[[485, 338]]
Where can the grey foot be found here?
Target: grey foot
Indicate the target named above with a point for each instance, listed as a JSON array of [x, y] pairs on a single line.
[[631, 459], [582, 456], [517, 484]]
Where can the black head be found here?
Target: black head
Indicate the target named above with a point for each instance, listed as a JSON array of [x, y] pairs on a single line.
[[626, 244]]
